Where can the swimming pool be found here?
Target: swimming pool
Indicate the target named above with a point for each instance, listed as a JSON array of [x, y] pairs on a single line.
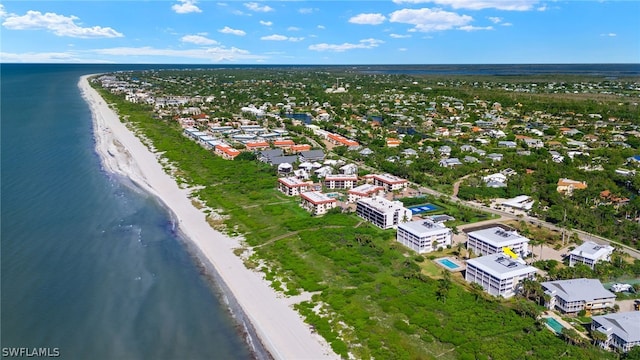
[[448, 263], [555, 325], [419, 209]]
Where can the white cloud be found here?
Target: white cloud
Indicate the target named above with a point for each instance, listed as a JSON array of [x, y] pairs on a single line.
[[402, 49], [362, 44], [3, 12], [266, 23], [228, 30], [426, 19], [185, 7], [45, 57], [215, 54], [198, 40], [277, 37], [306, 10], [368, 19], [609, 34], [506, 24], [58, 24], [293, 28], [495, 19], [510, 5], [321, 27], [474, 28], [254, 6], [274, 37], [399, 36]]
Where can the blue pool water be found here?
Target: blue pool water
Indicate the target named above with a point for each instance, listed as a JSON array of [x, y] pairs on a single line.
[[555, 325], [418, 209], [448, 263]]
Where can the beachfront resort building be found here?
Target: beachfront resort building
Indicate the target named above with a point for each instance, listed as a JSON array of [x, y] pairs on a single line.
[[498, 274], [340, 181], [424, 236], [226, 151], [292, 186], [388, 182], [365, 190], [493, 240], [382, 213], [574, 295], [316, 202], [622, 330], [589, 253]]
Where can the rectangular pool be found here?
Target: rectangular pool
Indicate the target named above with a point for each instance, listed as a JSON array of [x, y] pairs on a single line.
[[555, 325], [419, 209], [448, 263]]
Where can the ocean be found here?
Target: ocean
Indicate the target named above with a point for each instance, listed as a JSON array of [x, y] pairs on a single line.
[[91, 267]]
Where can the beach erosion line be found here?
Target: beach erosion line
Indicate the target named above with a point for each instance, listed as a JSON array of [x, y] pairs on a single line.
[[272, 327]]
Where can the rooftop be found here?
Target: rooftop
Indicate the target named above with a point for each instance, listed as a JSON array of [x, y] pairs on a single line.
[[625, 325], [578, 289], [497, 236], [592, 250], [501, 266], [422, 228]]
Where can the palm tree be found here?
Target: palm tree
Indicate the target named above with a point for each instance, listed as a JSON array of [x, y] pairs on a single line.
[[477, 290], [598, 337]]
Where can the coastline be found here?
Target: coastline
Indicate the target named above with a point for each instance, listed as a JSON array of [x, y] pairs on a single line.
[[269, 315]]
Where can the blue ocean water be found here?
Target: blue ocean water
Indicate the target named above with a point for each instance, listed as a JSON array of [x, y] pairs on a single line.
[[89, 265]]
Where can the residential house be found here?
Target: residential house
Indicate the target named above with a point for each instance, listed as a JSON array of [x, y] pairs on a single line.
[[470, 159], [292, 186], [533, 143], [498, 274], [450, 162], [494, 239], [589, 253], [567, 186], [521, 202], [311, 155], [574, 295], [622, 330], [383, 213], [556, 156], [495, 157], [424, 236], [507, 144], [316, 202], [349, 169]]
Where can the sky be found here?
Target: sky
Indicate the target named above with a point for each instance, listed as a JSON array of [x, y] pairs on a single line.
[[320, 32]]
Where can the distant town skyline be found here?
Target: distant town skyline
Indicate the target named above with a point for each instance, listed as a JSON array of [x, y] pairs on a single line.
[[321, 32]]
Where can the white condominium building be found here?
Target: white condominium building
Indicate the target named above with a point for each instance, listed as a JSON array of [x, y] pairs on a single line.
[[365, 190], [316, 202], [491, 241], [589, 253], [382, 213], [424, 236], [389, 182], [292, 186], [498, 274], [340, 181]]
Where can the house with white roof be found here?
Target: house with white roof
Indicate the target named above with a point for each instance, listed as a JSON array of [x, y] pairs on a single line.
[[424, 236], [589, 253], [450, 162], [316, 202], [493, 239], [521, 202], [498, 274], [383, 213], [292, 186], [622, 330], [572, 296], [349, 169], [365, 190]]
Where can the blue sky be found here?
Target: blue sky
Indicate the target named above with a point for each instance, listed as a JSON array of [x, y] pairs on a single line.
[[321, 32]]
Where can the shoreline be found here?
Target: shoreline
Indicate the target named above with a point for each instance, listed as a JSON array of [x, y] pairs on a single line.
[[253, 303]]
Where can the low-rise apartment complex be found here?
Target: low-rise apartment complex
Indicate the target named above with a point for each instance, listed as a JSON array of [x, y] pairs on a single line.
[[316, 202], [492, 240], [292, 186], [340, 181], [364, 190], [382, 213], [423, 236], [498, 274]]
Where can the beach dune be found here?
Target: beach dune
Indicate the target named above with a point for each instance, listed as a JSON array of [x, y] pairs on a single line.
[[280, 329]]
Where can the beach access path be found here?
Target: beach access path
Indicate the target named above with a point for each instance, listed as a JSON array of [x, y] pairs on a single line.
[[280, 328]]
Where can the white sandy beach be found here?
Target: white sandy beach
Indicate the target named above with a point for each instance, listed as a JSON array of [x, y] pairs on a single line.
[[279, 327]]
